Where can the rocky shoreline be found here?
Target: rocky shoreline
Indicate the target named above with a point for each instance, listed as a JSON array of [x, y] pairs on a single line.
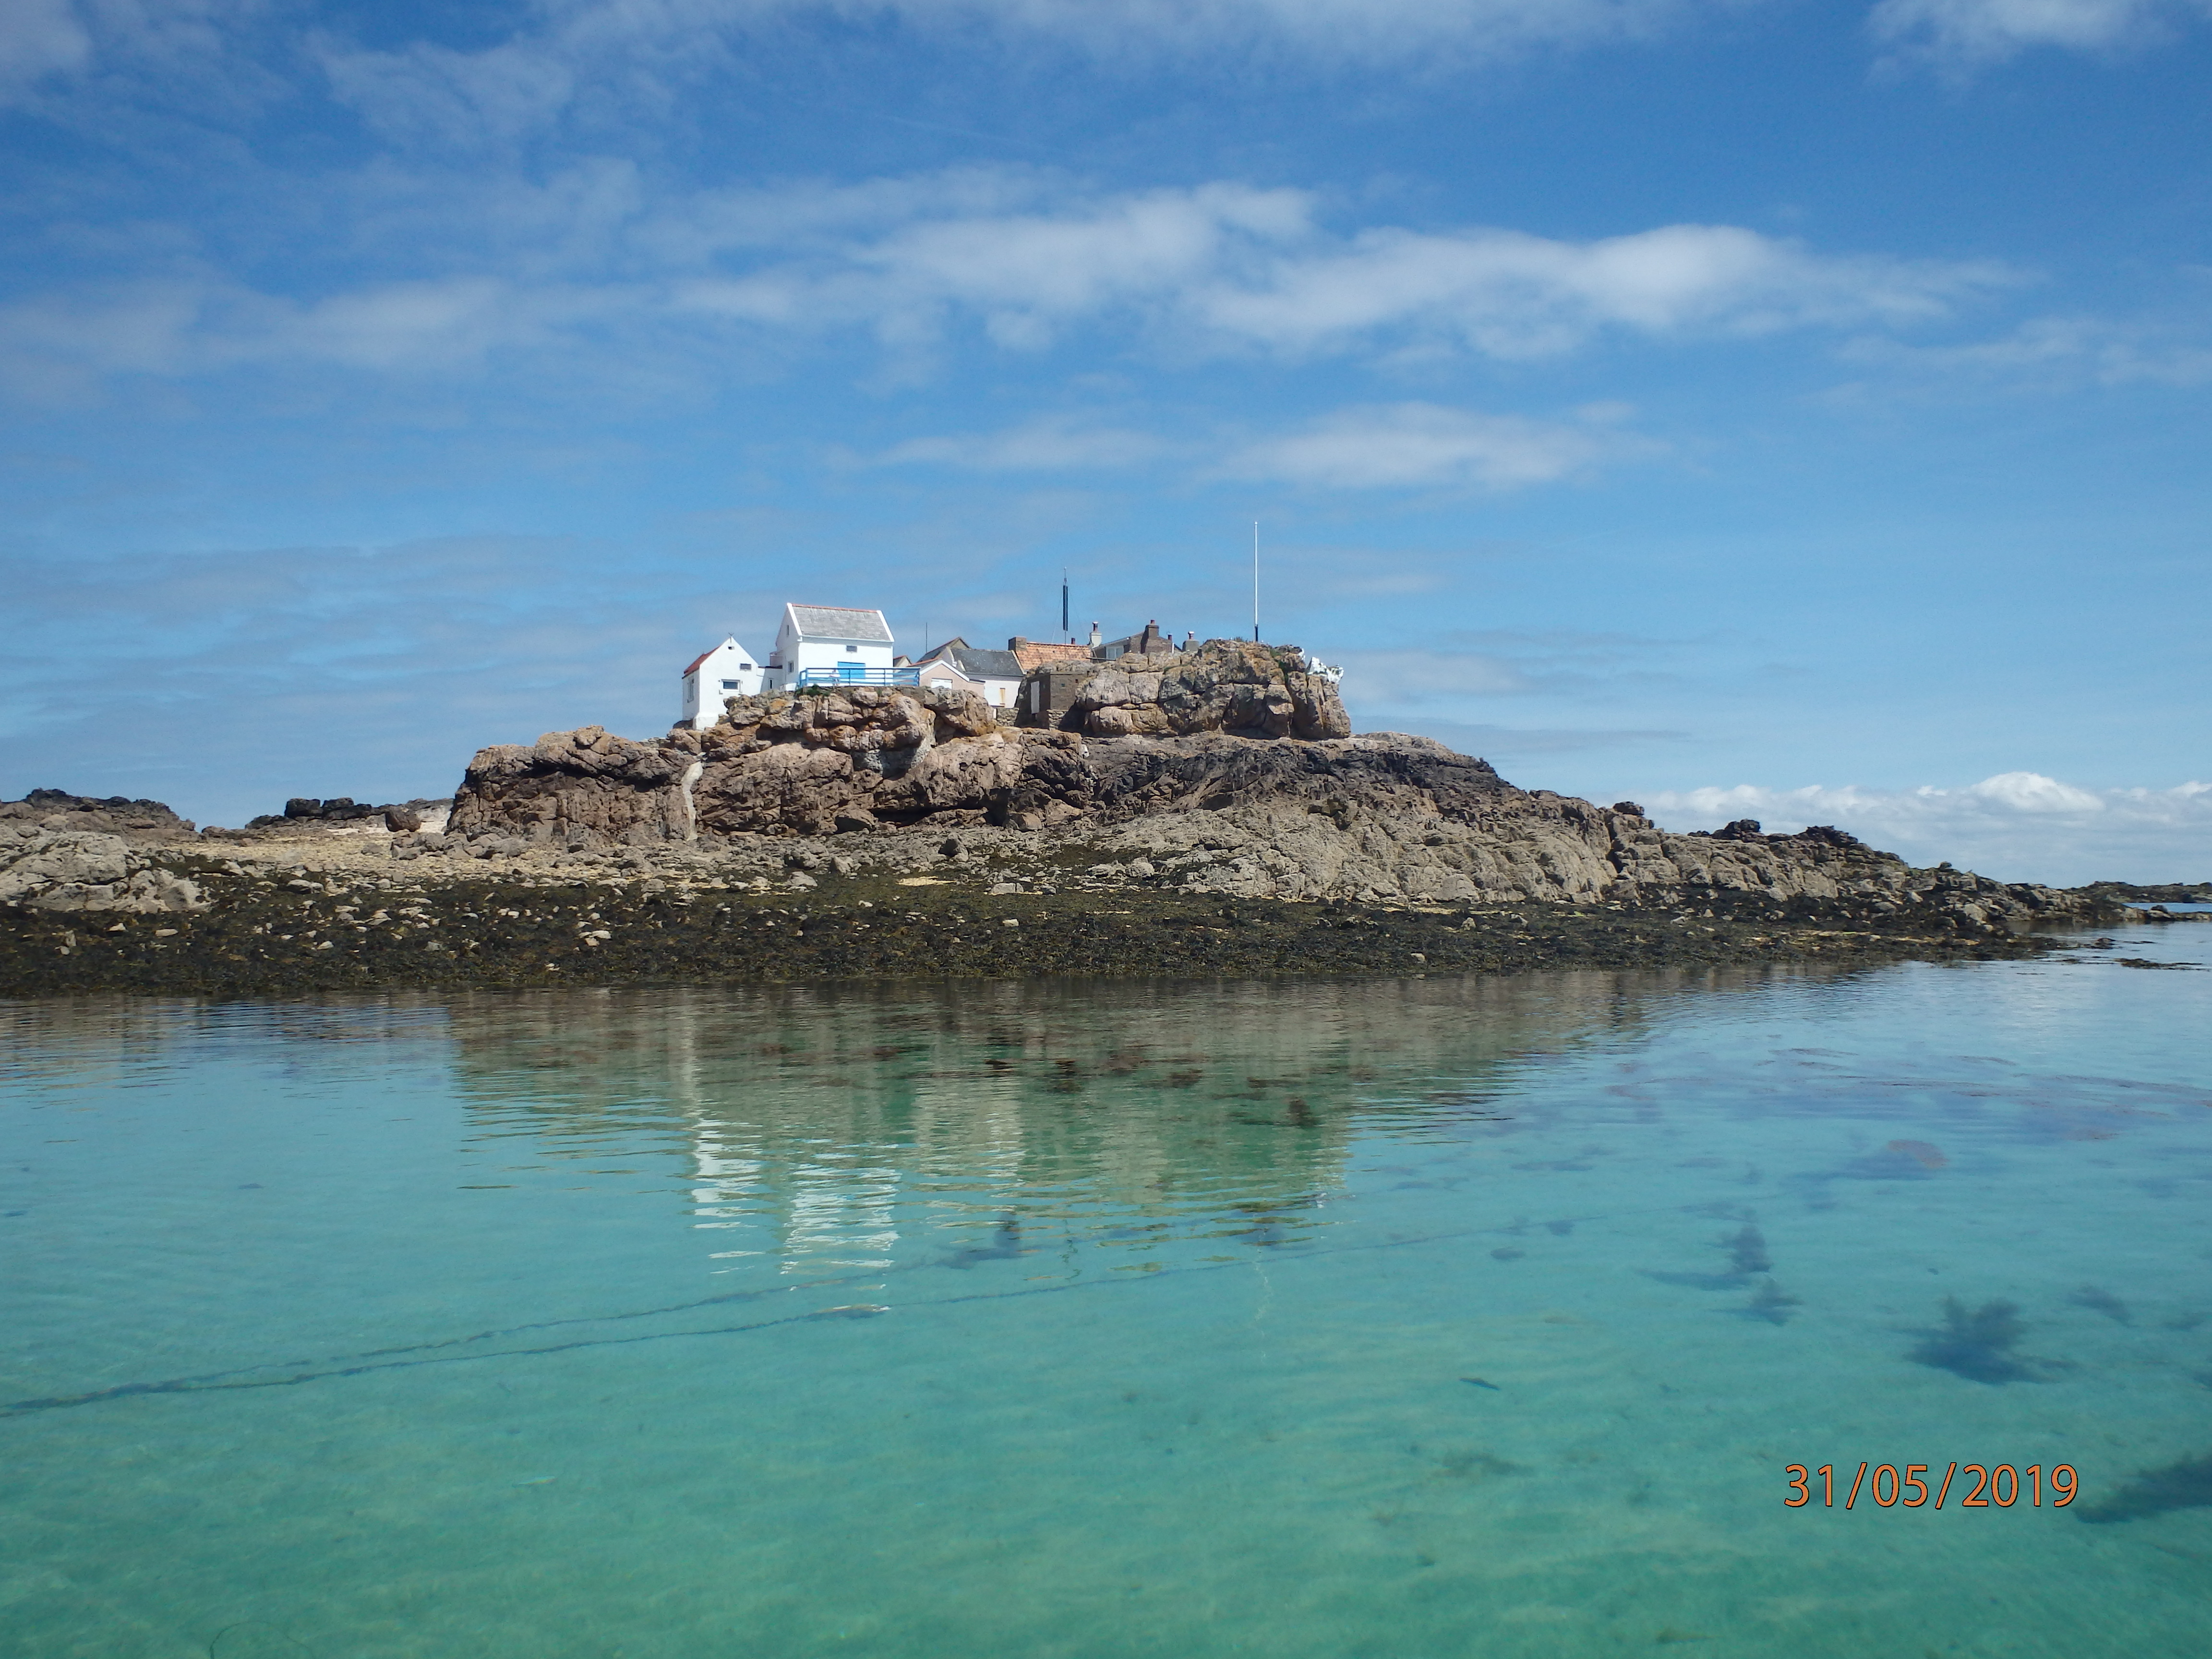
[[321, 909], [302, 924], [1205, 814]]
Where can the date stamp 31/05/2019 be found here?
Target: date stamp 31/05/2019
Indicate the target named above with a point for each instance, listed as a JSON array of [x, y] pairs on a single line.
[[1990, 1486]]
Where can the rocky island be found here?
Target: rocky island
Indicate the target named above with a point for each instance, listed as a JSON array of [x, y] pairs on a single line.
[[1202, 811]]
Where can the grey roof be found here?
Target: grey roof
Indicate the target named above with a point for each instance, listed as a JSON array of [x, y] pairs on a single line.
[[982, 665], [830, 622]]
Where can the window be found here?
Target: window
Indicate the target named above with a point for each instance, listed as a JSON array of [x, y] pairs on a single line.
[[733, 685]]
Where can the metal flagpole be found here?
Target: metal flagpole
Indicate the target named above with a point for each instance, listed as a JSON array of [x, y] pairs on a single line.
[[1256, 581]]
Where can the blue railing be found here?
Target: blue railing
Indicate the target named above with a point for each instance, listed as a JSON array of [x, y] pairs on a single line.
[[858, 677]]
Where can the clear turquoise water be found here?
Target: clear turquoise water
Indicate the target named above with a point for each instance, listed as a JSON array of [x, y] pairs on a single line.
[[545, 1325]]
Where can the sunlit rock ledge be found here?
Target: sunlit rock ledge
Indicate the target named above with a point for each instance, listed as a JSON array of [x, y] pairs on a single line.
[[1227, 769]]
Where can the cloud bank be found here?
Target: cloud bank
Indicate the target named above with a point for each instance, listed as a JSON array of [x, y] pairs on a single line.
[[565, 56], [599, 269], [1971, 32], [2017, 826], [1418, 444]]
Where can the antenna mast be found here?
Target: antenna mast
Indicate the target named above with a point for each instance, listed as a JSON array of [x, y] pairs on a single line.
[[1256, 581], [1064, 627]]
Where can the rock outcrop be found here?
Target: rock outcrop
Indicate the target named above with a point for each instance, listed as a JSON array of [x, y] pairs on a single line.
[[1226, 685], [113, 815], [82, 870], [306, 812], [1264, 814]]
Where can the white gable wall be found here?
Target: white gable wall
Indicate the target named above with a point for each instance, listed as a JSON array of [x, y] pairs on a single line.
[[728, 671], [836, 638]]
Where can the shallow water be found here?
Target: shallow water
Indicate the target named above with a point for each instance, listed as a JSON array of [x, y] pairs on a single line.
[[1412, 1318]]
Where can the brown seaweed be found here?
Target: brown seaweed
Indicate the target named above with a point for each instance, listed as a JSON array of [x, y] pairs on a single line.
[[1977, 1345], [2102, 1302], [1747, 1250], [2186, 1485], [1770, 1304]]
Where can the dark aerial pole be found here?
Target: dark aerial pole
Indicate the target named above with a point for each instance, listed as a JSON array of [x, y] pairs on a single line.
[[1064, 627]]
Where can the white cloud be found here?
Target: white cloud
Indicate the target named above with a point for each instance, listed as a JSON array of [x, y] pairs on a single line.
[[1401, 445], [1507, 294], [2017, 826], [38, 38], [2062, 349], [186, 327], [1015, 260], [649, 48], [1398, 445], [1982, 31], [1050, 445], [171, 51], [1370, 30]]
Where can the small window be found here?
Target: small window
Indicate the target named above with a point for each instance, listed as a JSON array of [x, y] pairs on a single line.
[[733, 685]]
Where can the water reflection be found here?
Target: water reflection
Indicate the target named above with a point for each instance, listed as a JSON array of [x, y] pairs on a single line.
[[851, 1127]]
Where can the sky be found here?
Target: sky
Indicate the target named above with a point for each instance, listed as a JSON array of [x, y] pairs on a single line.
[[1749, 408]]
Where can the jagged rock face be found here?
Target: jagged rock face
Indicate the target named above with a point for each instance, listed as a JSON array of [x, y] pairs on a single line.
[[78, 869], [858, 758], [1378, 817], [1224, 685], [578, 787], [788, 765], [58, 810], [1547, 848]]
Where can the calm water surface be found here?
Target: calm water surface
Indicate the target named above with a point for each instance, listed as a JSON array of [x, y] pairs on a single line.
[[1424, 1318]]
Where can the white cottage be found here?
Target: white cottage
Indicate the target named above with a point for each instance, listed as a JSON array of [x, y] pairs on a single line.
[[728, 671], [830, 645]]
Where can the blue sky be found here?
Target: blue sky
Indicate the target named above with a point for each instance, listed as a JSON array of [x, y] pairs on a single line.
[[1747, 407]]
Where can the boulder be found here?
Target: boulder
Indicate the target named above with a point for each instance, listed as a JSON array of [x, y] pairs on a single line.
[[1225, 685]]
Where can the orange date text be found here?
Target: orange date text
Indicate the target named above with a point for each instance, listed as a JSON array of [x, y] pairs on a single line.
[[1912, 1486]]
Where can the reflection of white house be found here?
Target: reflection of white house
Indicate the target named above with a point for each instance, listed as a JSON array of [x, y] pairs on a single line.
[[995, 675], [727, 671], [829, 644]]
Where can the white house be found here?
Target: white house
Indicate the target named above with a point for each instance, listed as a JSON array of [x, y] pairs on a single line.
[[830, 645], [728, 671], [994, 675]]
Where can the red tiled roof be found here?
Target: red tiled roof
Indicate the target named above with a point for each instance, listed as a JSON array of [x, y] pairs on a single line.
[[1033, 654], [697, 661]]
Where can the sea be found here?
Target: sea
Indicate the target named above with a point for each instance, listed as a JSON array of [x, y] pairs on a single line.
[[1555, 1314]]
